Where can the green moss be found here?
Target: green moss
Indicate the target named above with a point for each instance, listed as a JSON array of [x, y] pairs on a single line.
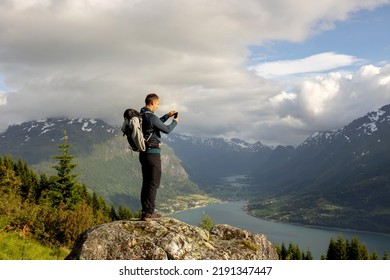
[[250, 245]]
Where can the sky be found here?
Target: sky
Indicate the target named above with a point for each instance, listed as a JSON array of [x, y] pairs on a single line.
[[270, 71]]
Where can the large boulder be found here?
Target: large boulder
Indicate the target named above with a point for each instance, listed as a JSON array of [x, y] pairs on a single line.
[[170, 239]]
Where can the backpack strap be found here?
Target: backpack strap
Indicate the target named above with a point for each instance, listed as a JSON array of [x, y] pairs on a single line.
[[150, 136]]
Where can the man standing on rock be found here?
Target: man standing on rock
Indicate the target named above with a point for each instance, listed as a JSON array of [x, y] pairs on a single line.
[[150, 160]]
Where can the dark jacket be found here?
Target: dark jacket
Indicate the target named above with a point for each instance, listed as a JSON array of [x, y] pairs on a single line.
[[151, 124]]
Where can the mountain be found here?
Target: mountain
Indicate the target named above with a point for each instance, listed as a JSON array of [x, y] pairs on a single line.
[[105, 163], [37, 140], [334, 178], [207, 160]]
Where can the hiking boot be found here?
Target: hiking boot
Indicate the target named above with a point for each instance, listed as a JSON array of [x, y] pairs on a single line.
[[150, 216]]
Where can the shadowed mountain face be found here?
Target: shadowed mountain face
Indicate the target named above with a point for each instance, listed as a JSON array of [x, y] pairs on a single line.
[[335, 178], [207, 160]]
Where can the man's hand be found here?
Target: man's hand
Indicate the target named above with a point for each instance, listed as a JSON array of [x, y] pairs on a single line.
[[171, 113]]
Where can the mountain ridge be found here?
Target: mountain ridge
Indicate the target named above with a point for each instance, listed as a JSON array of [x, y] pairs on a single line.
[[20, 140], [96, 144], [334, 178], [209, 160], [337, 178], [104, 161]]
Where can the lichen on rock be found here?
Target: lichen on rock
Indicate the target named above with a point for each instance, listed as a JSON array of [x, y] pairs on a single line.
[[170, 239]]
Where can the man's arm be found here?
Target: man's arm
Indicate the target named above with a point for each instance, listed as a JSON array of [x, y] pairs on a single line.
[[159, 124], [164, 118], [167, 116]]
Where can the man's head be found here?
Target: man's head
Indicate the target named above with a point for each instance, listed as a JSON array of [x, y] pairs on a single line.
[[152, 101]]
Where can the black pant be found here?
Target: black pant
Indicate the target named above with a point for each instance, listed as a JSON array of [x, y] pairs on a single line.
[[151, 177]]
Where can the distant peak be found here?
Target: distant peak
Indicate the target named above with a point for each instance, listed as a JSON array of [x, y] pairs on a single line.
[[216, 142]]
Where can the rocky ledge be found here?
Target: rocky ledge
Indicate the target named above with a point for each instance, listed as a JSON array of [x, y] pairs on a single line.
[[170, 239]]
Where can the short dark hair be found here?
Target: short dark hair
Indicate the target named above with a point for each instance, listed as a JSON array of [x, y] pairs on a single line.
[[150, 98]]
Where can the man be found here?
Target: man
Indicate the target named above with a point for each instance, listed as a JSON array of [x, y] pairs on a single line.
[[150, 160]]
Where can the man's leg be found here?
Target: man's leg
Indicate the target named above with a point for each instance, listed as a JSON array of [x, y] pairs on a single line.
[[151, 174], [145, 181]]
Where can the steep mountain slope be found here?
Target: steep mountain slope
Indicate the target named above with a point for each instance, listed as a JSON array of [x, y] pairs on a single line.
[[207, 160], [37, 140], [105, 163], [335, 178]]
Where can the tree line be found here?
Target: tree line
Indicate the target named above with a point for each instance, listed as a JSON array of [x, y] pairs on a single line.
[[52, 209], [340, 249], [343, 249]]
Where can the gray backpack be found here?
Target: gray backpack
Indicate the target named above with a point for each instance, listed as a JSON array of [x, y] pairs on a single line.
[[132, 128]]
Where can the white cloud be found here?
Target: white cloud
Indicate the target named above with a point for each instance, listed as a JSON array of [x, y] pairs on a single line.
[[96, 58], [369, 71], [332, 100], [3, 99], [316, 63]]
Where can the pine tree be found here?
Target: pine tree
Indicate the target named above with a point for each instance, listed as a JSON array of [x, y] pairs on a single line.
[[374, 255], [332, 252], [309, 255], [9, 181], [95, 202], [363, 252], [294, 253], [124, 213], [10, 184], [337, 250], [8, 162], [206, 222], [41, 188], [357, 250], [342, 248], [29, 180], [64, 187], [283, 252], [353, 249], [113, 215], [85, 195]]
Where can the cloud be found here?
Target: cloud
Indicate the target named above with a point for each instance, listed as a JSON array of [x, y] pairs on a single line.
[[322, 62], [3, 99], [330, 101], [95, 58]]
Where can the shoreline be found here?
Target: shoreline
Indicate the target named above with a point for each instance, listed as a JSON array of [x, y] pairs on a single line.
[[243, 208], [191, 208]]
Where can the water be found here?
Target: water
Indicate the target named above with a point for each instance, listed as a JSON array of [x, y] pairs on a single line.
[[307, 238]]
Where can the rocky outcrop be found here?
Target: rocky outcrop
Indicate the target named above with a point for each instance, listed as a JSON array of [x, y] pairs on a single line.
[[170, 239]]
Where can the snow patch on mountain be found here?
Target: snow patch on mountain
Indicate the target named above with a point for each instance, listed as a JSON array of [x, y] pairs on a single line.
[[52, 128], [320, 137], [85, 127], [370, 127], [367, 125], [234, 143]]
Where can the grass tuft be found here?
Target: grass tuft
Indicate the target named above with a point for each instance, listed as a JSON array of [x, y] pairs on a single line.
[[13, 247]]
